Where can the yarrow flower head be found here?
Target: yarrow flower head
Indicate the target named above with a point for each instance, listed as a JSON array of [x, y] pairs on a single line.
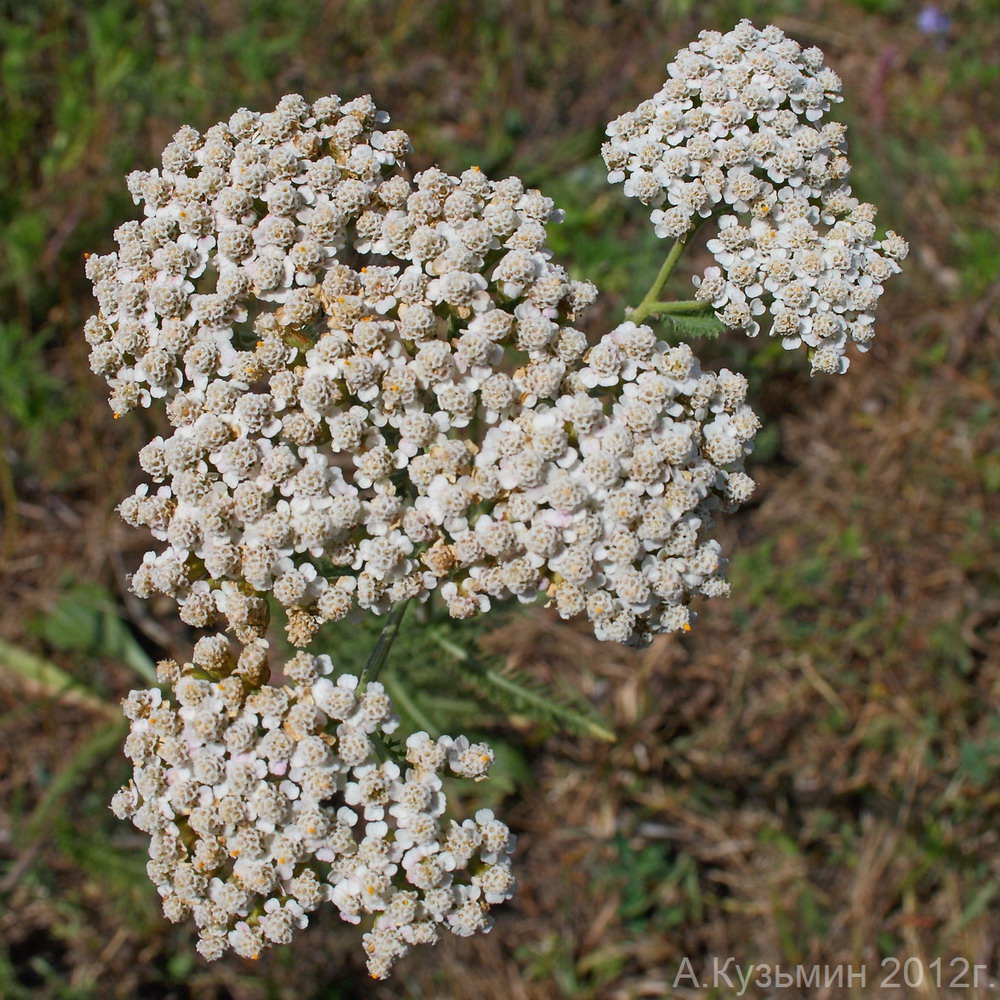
[[737, 133], [377, 391], [264, 803]]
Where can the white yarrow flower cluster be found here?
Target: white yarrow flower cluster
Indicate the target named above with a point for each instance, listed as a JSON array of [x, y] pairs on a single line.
[[349, 433], [377, 391], [263, 803], [737, 133], [615, 493]]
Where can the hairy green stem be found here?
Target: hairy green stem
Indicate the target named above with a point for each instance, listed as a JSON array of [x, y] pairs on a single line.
[[454, 651], [690, 307], [382, 646], [539, 699]]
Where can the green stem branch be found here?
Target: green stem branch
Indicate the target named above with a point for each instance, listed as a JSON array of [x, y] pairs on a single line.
[[539, 699], [385, 640], [644, 308], [651, 304], [523, 694]]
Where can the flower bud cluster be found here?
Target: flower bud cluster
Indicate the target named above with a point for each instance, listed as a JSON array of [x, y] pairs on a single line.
[[736, 133], [364, 433], [263, 803]]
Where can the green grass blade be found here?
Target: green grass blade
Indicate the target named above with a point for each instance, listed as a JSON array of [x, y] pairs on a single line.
[[43, 677]]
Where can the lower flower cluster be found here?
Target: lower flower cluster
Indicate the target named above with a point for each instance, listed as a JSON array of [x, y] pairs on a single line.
[[264, 802]]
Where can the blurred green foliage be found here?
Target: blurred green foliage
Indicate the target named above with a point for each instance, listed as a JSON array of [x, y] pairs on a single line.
[[87, 620]]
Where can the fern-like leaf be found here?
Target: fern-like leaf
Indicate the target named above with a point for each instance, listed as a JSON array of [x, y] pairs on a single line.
[[516, 691], [678, 327]]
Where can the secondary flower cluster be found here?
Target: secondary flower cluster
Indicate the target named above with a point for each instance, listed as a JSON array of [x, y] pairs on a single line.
[[367, 434], [263, 802], [736, 133]]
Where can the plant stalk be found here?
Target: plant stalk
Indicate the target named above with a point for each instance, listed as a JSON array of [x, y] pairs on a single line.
[[689, 307], [553, 709], [382, 646], [650, 299], [650, 304]]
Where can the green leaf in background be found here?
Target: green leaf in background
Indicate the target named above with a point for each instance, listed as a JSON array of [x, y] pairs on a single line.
[[518, 692], [86, 620], [509, 772], [43, 677], [103, 741]]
